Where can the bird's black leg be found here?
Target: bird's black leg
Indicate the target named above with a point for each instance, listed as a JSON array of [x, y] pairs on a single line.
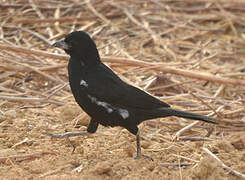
[[92, 127], [139, 154], [66, 135]]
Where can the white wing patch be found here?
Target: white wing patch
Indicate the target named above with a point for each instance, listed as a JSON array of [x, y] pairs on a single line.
[[124, 113], [83, 83], [107, 106]]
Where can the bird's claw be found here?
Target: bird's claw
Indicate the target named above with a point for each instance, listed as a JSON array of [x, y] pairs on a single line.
[[144, 156], [73, 145], [66, 135]]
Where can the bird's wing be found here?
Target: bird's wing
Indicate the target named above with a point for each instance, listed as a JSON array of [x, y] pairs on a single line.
[[106, 86]]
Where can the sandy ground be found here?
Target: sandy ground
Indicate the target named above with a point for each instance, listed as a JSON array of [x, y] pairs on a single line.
[[108, 154]]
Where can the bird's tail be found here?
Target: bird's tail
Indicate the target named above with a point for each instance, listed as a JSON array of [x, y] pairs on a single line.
[[188, 115]]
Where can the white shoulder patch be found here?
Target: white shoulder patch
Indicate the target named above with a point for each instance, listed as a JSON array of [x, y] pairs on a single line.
[[83, 83]]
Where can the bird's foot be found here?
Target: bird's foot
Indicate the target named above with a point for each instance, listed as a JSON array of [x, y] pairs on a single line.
[[66, 135], [138, 156]]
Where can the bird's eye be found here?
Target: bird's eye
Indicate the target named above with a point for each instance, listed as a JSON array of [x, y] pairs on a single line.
[[68, 41], [71, 42]]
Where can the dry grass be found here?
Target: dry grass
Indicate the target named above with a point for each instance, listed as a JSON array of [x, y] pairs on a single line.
[[188, 53]]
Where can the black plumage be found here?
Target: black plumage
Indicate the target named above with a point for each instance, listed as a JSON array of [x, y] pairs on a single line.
[[106, 98]]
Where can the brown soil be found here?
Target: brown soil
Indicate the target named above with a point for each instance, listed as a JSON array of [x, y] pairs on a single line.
[[108, 154]]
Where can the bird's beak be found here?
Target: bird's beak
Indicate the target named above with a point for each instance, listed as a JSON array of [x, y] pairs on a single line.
[[61, 44]]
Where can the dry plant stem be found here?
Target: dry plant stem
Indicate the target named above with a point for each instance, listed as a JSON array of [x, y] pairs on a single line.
[[29, 99], [79, 117], [51, 20], [185, 73], [230, 170], [202, 76], [55, 171], [52, 67], [149, 83], [235, 111], [31, 68], [33, 52], [24, 157], [228, 17], [206, 104], [194, 138], [77, 5], [37, 35], [57, 90], [175, 164], [186, 128], [219, 91], [181, 131], [154, 36], [7, 89], [20, 143], [77, 169], [41, 16], [170, 85], [90, 6], [184, 157]]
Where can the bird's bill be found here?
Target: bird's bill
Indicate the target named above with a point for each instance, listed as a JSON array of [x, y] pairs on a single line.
[[61, 44]]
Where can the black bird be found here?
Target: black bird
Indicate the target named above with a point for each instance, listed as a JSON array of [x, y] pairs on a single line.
[[106, 98]]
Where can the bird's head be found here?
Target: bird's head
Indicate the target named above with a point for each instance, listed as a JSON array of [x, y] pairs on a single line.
[[79, 45]]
